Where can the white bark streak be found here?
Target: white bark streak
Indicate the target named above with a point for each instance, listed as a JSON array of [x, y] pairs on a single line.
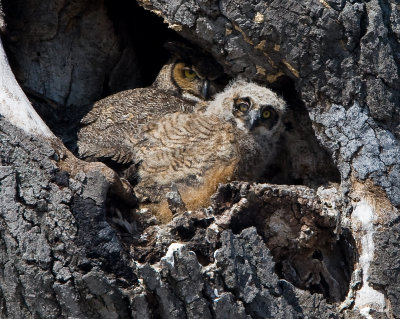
[[14, 105], [367, 298]]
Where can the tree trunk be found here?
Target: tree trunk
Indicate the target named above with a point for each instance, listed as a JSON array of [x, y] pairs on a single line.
[[324, 249]]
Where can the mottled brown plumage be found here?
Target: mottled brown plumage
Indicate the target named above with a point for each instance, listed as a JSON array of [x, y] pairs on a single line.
[[110, 129], [181, 149], [234, 138]]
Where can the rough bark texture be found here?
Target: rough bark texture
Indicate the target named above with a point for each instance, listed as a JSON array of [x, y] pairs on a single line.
[[56, 246], [61, 258], [260, 251], [51, 39]]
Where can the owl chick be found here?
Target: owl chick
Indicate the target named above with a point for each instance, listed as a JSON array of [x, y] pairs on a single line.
[[191, 73], [234, 138]]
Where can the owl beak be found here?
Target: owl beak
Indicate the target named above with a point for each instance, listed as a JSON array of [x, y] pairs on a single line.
[[254, 118], [205, 89]]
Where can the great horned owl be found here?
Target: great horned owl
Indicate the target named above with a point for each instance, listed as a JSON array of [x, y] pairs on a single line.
[[234, 138], [106, 130], [191, 73]]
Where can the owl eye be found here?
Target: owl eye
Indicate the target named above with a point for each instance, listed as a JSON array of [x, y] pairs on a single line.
[[243, 105], [189, 74], [266, 114]]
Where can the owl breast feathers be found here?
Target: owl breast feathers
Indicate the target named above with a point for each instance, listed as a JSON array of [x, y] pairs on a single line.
[[234, 138]]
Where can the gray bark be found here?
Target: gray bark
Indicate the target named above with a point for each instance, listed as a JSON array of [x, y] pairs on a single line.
[[260, 251]]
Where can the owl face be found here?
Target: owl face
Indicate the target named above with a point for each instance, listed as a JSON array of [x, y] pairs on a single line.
[[254, 118], [199, 80], [251, 107]]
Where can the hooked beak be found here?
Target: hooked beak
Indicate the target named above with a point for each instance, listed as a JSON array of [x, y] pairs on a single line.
[[254, 118], [205, 89]]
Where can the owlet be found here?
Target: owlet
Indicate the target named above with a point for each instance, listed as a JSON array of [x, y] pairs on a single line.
[[234, 138]]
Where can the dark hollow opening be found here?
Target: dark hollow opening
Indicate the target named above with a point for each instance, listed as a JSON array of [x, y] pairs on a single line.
[[300, 159], [145, 32]]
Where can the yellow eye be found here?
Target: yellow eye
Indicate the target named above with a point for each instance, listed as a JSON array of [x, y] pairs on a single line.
[[189, 74], [243, 107], [266, 114]]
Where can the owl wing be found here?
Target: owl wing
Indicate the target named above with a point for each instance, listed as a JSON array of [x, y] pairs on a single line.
[[112, 156], [112, 128]]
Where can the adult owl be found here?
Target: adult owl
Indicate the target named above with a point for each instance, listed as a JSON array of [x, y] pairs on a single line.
[[191, 73]]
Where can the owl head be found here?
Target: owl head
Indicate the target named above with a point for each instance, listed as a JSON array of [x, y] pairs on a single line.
[[191, 72], [251, 107]]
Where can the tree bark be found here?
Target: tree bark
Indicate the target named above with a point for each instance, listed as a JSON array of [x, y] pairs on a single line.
[[15, 106], [260, 250]]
